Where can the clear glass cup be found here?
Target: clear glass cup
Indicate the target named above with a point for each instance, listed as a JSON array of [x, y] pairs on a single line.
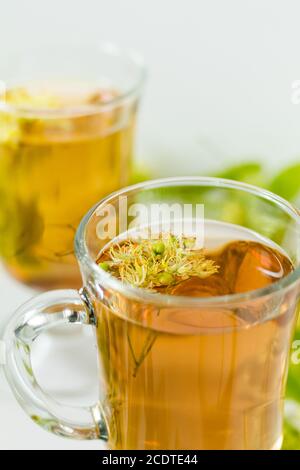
[[67, 123], [175, 372]]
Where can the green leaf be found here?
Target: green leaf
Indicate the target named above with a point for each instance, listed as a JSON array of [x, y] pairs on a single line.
[[287, 183], [291, 439], [140, 174], [248, 172]]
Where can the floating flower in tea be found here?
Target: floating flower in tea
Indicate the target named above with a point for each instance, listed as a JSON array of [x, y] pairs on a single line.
[[150, 264]]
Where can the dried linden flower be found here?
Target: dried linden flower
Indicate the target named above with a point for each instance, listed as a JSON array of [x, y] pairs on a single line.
[[157, 263]]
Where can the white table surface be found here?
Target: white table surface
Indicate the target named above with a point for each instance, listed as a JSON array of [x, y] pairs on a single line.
[[75, 376]]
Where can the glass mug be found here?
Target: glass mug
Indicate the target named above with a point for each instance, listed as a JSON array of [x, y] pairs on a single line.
[[67, 121], [166, 381]]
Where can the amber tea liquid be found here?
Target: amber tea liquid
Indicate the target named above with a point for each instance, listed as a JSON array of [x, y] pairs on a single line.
[[54, 166], [201, 378]]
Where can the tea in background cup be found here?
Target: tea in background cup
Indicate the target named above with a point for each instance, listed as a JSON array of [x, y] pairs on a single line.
[[67, 122]]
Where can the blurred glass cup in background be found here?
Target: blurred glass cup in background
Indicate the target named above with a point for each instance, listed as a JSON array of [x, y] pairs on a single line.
[[67, 120]]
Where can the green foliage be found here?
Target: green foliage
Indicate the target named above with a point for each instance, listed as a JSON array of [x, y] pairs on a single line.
[[140, 174], [287, 182], [248, 172], [291, 439]]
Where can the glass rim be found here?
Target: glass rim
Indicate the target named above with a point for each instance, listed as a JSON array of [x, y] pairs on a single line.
[[140, 294], [105, 47]]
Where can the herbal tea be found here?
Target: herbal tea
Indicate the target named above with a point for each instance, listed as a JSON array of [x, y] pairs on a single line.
[[203, 377], [59, 154]]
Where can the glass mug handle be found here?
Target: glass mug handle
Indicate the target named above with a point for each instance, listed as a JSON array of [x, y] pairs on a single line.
[[48, 310]]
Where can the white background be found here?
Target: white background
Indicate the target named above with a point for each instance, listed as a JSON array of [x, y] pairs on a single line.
[[220, 71], [219, 91]]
